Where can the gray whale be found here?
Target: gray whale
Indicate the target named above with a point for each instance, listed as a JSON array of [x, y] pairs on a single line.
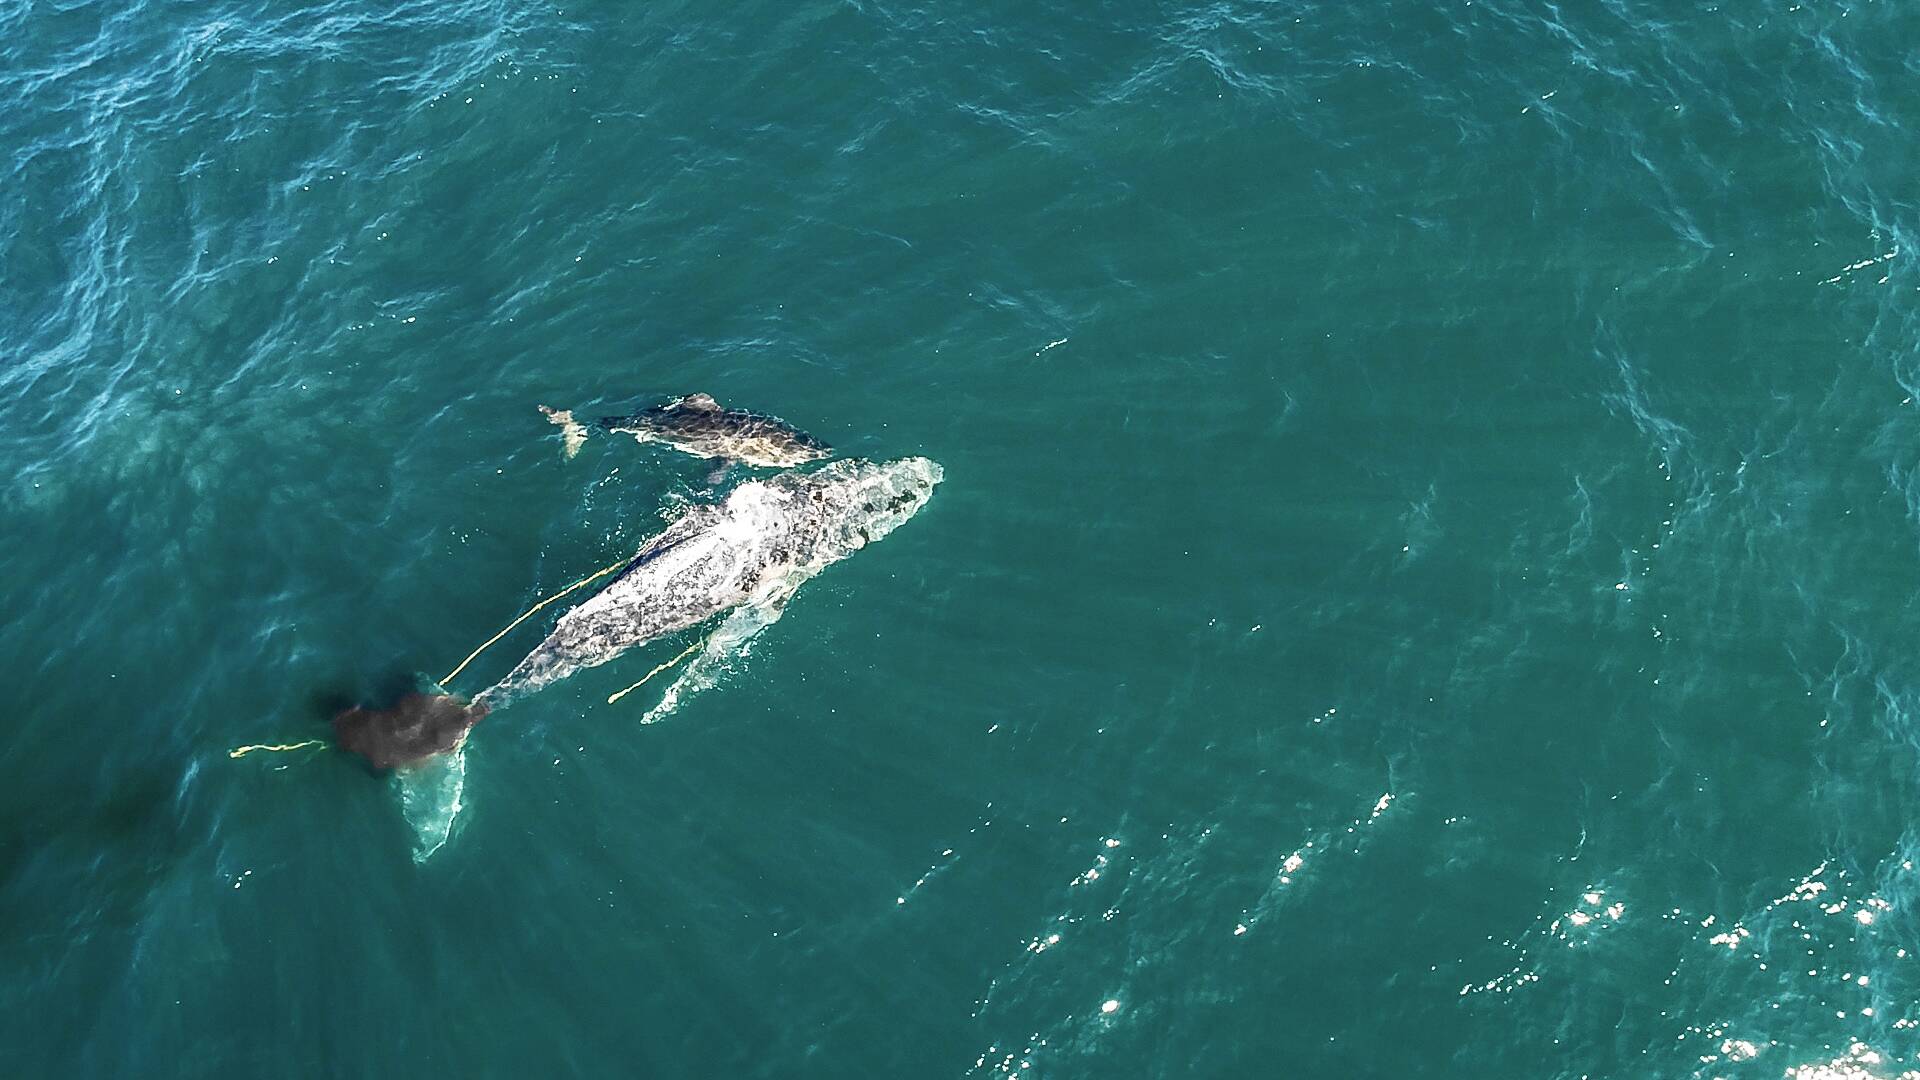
[[753, 549], [745, 556]]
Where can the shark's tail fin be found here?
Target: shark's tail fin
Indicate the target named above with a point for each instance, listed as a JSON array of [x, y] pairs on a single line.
[[572, 432]]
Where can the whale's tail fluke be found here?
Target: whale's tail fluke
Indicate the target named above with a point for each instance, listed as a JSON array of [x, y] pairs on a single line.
[[422, 738], [432, 794], [416, 727]]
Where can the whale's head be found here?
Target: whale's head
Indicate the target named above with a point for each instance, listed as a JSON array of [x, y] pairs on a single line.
[[855, 503], [897, 490]]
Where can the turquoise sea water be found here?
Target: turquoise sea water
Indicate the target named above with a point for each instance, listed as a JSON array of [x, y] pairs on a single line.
[[1423, 584]]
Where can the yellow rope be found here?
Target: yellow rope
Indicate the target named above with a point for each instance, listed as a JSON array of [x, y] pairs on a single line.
[[243, 751], [684, 653], [529, 613]]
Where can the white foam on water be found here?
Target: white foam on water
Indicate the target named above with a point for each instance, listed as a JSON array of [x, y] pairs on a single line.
[[1860, 1062], [432, 794]]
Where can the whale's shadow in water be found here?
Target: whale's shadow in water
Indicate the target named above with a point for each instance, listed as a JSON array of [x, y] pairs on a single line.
[[343, 691]]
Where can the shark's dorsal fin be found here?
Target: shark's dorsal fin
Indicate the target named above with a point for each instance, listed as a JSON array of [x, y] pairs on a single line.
[[699, 403]]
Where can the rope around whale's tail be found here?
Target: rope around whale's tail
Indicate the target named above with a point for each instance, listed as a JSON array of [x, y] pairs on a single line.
[[398, 723]]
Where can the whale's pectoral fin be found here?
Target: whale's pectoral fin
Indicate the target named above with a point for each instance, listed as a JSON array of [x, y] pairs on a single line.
[[729, 641]]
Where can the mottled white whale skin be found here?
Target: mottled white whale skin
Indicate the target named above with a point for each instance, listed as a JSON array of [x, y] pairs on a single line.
[[756, 547]]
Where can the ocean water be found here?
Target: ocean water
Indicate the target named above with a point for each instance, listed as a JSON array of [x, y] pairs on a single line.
[[1423, 586]]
